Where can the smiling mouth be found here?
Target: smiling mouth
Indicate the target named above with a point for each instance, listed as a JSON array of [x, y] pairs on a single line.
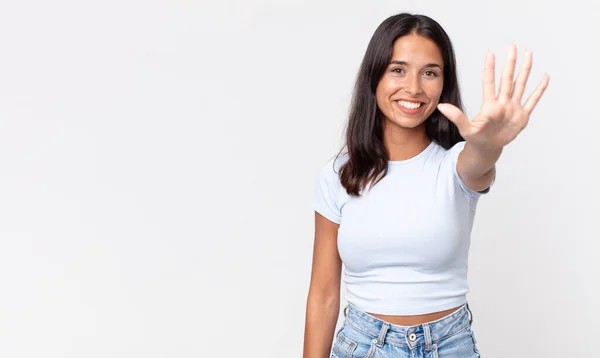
[[410, 108], [410, 105]]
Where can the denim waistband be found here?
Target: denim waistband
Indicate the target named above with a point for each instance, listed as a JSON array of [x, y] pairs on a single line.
[[381, 331]]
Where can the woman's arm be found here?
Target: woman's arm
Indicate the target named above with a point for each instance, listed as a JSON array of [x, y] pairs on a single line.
[[323, 303], [501, 119], [477, 168]]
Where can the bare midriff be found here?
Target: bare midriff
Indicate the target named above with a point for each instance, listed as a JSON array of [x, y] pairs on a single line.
[[414, 320]]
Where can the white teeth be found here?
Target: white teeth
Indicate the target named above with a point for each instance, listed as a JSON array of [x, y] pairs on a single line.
[[409, 105]]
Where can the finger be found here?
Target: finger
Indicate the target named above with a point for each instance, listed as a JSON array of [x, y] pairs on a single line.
[[489, 87], [455, 115], [521, 81], [508, 73], [537, 94]]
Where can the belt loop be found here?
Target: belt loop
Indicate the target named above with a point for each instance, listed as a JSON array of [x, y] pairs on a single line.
[[381, 339], [427, 334]]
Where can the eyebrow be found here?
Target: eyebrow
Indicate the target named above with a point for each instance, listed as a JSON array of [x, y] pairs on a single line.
[[404, 63]]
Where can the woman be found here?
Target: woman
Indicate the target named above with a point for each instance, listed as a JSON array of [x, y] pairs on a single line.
[[397, 207]]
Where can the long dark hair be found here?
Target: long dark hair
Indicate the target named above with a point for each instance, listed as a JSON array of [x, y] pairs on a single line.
[[367, 157]]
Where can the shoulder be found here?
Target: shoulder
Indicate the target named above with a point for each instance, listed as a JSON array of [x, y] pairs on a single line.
[[457, 148], [440, 155], [454, 150], [332, 168], [447, 157], [329, 196]]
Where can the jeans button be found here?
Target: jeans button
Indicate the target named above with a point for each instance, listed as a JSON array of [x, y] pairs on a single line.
[[412, 337]]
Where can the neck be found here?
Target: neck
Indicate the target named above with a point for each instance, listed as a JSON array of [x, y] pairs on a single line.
[[405, 143]]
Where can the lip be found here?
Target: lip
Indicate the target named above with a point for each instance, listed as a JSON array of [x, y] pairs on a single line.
[[410, 111]]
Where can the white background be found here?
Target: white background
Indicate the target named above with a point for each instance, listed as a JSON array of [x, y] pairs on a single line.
[[158, 161]]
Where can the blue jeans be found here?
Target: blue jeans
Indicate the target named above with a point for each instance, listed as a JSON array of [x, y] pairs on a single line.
[[365, 336]]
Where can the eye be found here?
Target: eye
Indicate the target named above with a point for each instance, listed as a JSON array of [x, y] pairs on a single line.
[[431, 73], [397, 70]]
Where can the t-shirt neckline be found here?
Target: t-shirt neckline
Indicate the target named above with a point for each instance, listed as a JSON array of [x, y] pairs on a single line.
[[416, 157]]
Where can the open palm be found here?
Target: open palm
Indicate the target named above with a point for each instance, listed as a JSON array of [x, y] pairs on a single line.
[[502, 117]]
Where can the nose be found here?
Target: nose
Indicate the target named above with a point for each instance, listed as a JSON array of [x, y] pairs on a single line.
[[412, 85]]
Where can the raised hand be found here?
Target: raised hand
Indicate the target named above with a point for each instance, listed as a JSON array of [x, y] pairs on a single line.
[[502, 117]]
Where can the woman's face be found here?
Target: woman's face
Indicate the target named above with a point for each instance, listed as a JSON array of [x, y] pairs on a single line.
[[410, 88]]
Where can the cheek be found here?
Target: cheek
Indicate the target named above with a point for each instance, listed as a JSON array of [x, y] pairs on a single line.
[[385, 89], [380, 96], [434, 92]]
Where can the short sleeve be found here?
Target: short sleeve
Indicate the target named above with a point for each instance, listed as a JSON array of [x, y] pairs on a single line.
[[326, 196], [454, 152]]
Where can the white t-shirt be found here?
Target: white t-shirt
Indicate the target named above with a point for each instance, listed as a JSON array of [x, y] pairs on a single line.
[[404, 242]]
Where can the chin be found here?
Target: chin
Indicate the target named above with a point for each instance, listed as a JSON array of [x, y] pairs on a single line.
[[411, 123]]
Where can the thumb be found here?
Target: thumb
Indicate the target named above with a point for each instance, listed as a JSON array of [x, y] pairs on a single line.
[[455, 115]]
